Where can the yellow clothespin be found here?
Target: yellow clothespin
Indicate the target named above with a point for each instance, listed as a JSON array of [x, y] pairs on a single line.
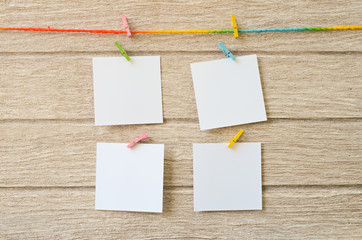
[[232, 141], [235, 27]]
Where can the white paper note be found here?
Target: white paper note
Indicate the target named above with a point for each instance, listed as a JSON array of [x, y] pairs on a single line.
[[227, 179], [127, 92], [228, 92], [129, 179]]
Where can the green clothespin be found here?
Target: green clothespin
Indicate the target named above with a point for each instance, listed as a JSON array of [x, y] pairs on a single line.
[[122, 51]]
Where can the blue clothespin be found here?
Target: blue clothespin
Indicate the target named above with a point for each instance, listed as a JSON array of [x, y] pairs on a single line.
[[226, 51]]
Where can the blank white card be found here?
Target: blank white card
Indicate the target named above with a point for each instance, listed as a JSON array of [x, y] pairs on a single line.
[[127, 92], [228, 92], [227, 179], [129, 179]]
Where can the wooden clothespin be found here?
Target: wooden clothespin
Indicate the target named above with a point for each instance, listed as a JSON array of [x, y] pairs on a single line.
[[122, 51], [142, 137], [226, 51], [235, 27], [124, 20], [232, 141]]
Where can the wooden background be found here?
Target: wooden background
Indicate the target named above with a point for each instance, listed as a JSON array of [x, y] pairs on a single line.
[[311, 143]]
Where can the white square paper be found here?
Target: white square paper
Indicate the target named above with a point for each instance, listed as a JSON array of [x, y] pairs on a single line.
[[227, 179], [127, 92], [228, 92], [129, 179]]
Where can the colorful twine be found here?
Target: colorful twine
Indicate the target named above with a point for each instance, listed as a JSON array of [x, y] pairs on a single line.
[[298, 29]]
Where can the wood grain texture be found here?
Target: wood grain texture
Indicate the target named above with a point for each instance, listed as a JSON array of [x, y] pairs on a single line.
[[288, 213], [294, 152], [311, 143], [307, 86], [185, 14]]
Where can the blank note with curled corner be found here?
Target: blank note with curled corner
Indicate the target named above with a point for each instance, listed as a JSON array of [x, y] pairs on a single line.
[[127, 92], [129, 179], [228, 92], [227, 179]]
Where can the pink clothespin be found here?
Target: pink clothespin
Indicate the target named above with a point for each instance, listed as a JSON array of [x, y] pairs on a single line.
[[124, 20], [142, 137]]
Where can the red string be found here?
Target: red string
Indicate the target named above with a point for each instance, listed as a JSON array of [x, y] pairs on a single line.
[[68, 30]]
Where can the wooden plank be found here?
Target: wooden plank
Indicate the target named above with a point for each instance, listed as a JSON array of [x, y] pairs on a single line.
[[288, 213], [293, 152], [311, 153], [186, 14], [60, 87]]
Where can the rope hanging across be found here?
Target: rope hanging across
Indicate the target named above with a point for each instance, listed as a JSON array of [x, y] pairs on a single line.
[[261, 30]]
